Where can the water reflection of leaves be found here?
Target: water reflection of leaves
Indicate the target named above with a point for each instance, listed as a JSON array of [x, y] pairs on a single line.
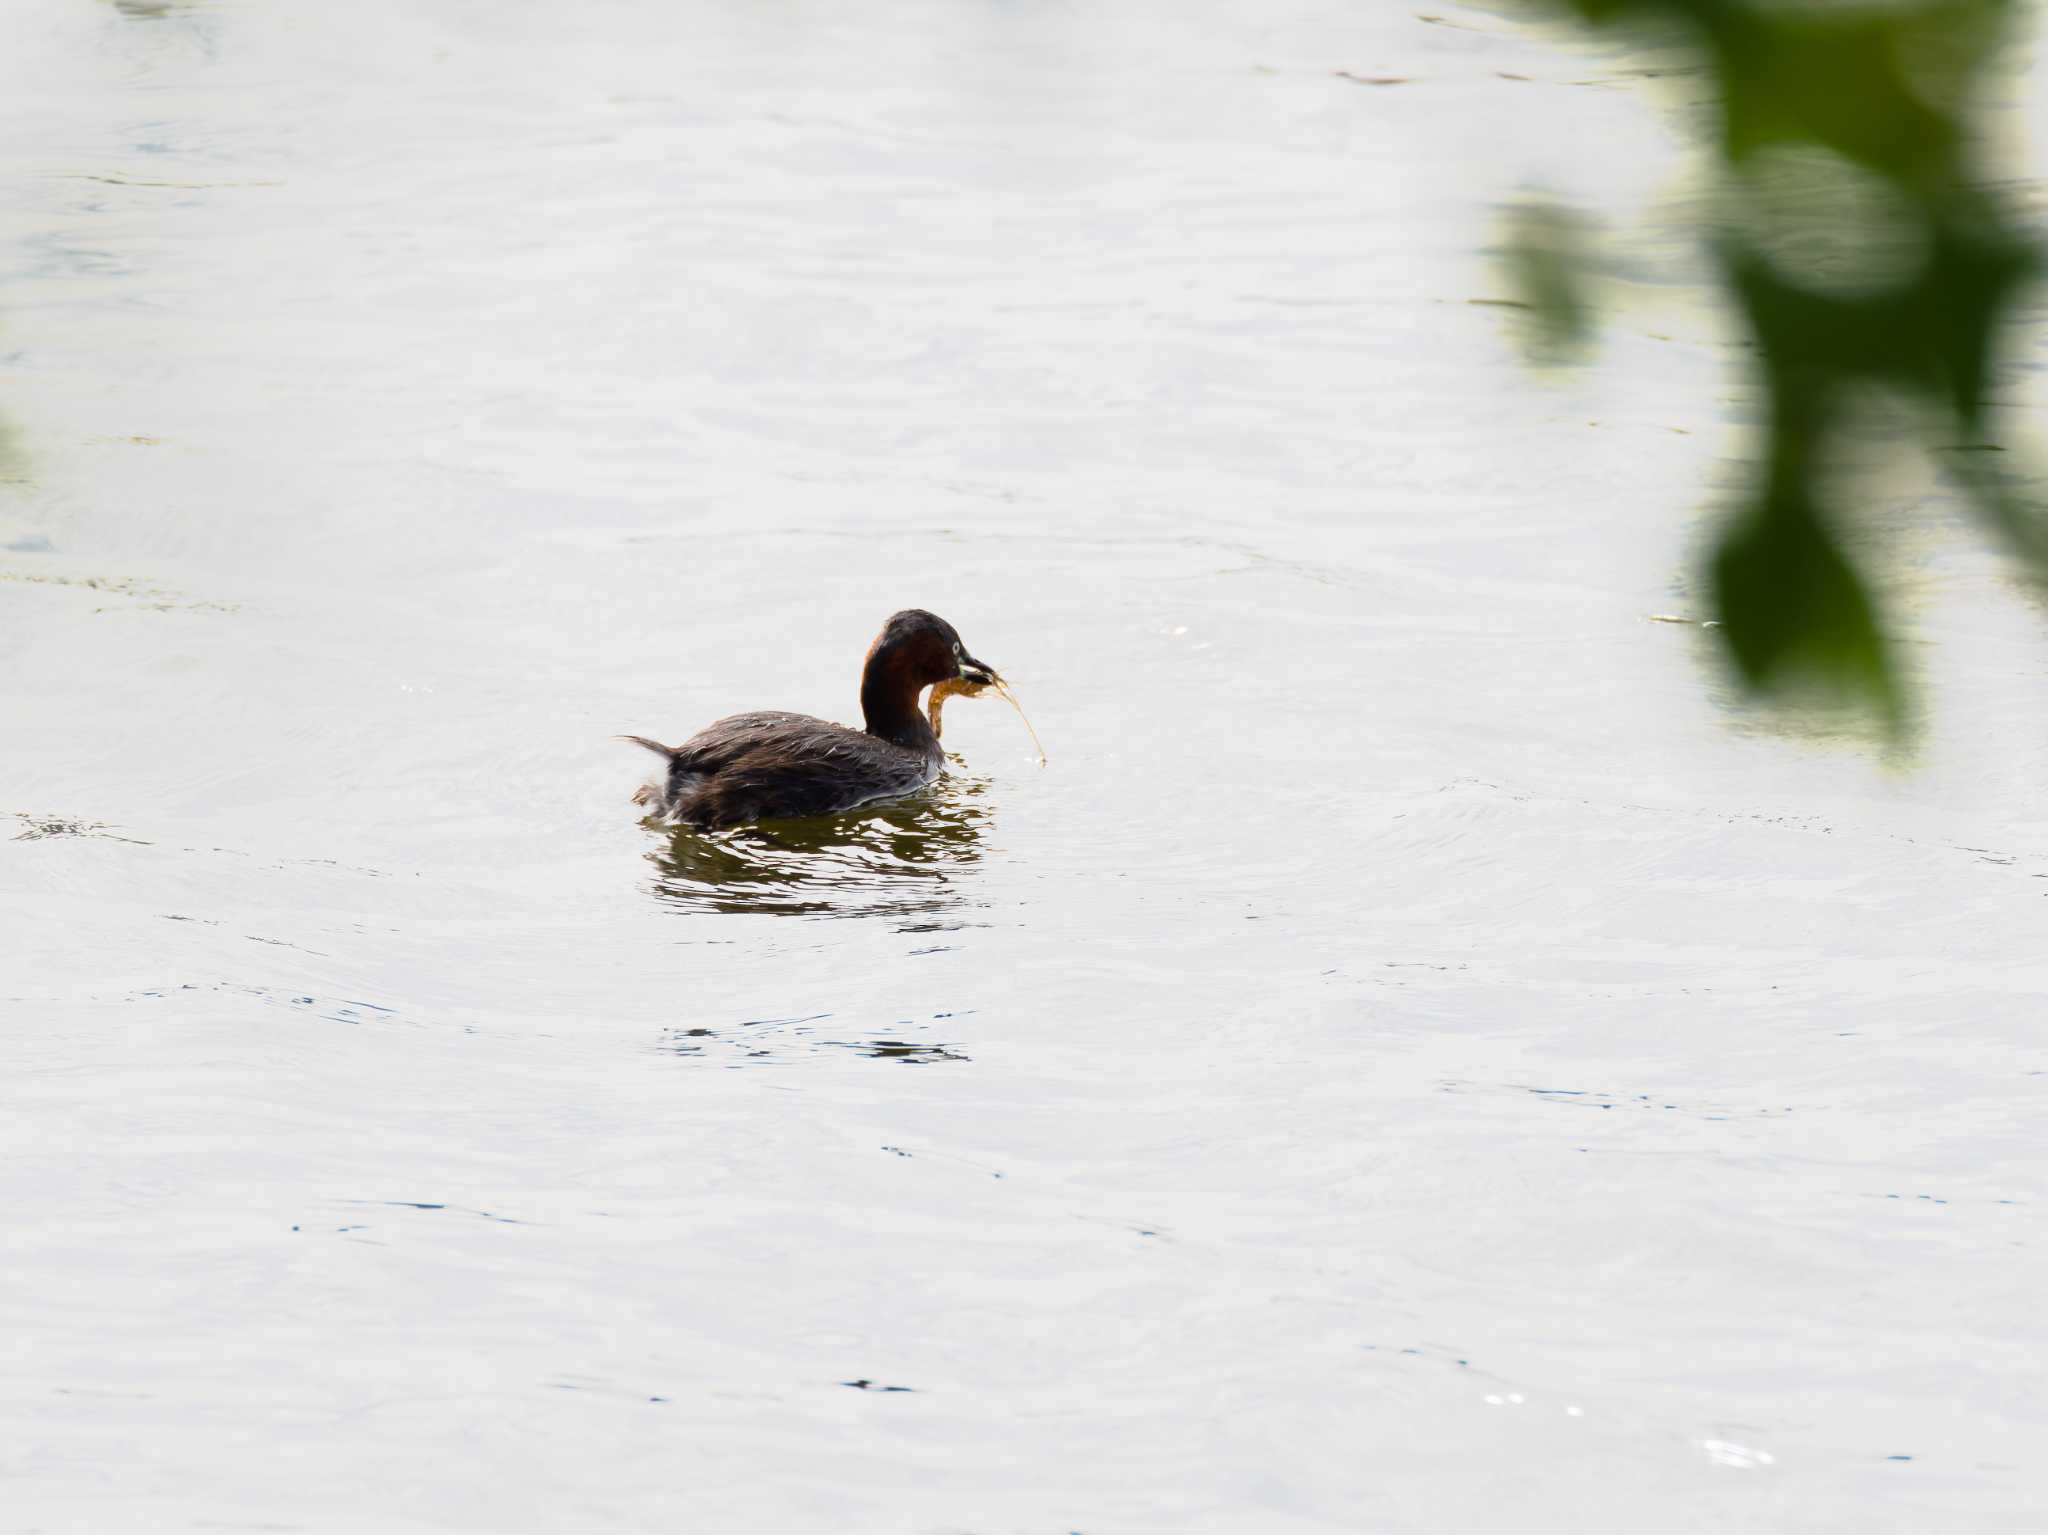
[[898, 859], [13, 455]]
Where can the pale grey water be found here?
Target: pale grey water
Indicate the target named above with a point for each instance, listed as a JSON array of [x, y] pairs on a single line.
[[1416, 1059]]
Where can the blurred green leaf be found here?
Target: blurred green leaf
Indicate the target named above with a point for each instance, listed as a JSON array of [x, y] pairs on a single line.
[[1830, 77], [1974, 279], [1886, 87], [1794, 612], [1546, 262]]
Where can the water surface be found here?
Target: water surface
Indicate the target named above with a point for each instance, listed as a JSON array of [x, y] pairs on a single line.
[[1420, 1057]]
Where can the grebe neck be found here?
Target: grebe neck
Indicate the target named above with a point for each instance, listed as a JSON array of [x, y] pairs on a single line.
[[888, 706]]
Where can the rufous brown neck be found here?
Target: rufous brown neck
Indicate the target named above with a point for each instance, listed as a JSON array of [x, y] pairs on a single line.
[[888, 702]]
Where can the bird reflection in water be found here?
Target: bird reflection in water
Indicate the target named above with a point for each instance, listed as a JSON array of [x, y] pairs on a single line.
[[901, 858]]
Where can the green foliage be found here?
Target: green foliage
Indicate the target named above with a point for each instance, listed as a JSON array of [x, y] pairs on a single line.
[[1545, 252], [1862, 91]]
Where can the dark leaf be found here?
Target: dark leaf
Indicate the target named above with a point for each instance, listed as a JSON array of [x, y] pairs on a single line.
[[1795, 614]]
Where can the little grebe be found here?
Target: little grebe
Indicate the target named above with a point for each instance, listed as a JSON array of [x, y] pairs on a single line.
[[753, 767]]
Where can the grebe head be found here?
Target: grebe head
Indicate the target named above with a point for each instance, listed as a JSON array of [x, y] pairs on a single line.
[[923, 645], [914, 650]]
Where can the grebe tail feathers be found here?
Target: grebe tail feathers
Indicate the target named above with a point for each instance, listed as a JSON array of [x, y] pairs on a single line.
[[654, 746], [654, 793]]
